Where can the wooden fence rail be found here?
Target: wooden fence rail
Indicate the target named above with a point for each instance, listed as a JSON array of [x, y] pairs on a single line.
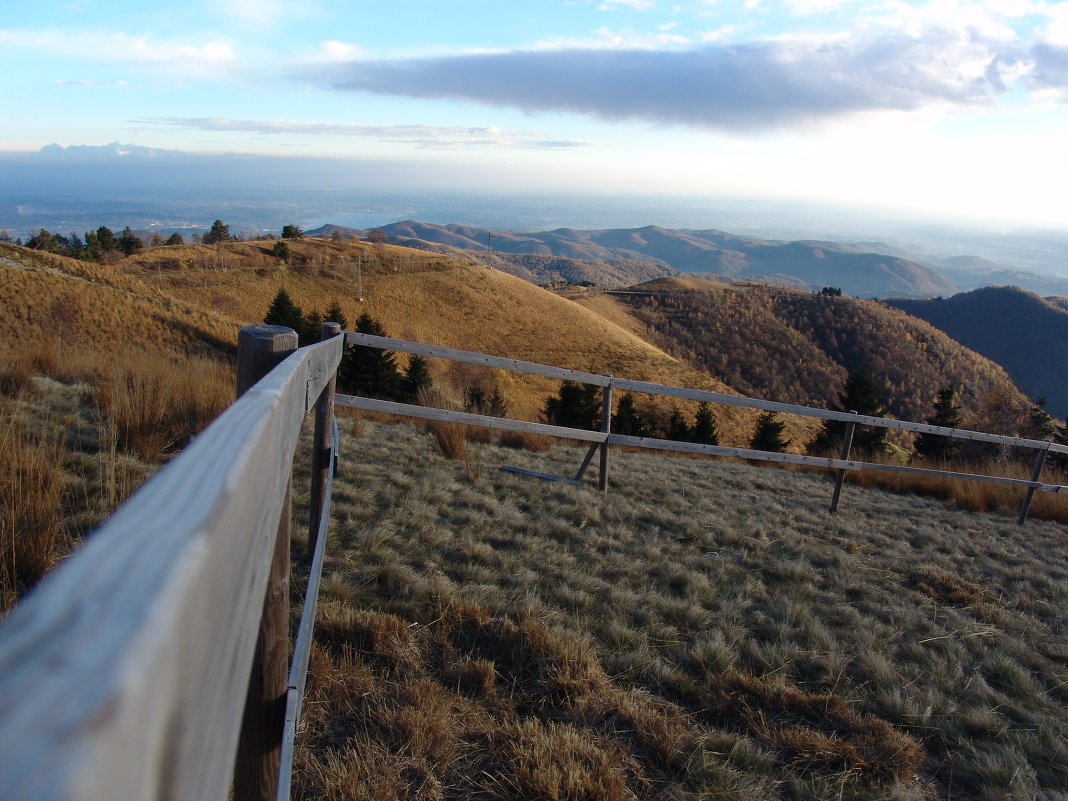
[[604, 438], [123, 676]]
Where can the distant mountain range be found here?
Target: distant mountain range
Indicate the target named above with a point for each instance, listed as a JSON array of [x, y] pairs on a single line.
[[808, 264]]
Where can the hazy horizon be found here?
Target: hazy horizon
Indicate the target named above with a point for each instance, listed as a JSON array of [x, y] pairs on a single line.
[[944, 110]]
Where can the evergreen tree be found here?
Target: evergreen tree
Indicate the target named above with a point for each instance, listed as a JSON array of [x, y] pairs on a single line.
[[312, 330], [860, 395], [220, 232], [370, 372], [280, 250], [946, 414], [577, 406], [416, 379], [627, 420], [768, 434], [704, 426], [677, 427], [175, 239], [129, 243], [42, 240], [106, 240], [292, 232], [283, 311], [335, 315]]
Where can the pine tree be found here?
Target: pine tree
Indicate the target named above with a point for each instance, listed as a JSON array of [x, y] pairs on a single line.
[[768, 434], [335, 315], [283, 311], [627, 420], [577, 406], [128, 242], [860, 395], [175, 239], [946, 414], [704, 426], [416, 379], [371, 372], [220, 232], [677, 428], [292, 232]]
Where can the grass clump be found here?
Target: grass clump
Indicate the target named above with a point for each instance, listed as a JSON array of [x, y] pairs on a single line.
[[31, 509]]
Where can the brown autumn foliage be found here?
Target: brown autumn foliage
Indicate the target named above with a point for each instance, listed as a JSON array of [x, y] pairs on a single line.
[[798, 347]]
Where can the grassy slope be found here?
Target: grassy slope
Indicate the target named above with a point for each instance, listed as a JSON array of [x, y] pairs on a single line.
[[426, 297], [78, 302], [707, 629]]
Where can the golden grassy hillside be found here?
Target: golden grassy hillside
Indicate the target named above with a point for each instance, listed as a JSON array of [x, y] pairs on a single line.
[[429, 298]]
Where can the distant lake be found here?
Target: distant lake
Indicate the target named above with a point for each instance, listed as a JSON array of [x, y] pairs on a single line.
[[359, 219]]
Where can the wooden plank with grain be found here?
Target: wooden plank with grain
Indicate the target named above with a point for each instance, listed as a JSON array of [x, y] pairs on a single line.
[[123, 675]]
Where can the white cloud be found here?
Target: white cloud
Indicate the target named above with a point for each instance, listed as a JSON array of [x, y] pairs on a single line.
[[122, 48], [84, 82], [1055, 31], [337, 52], [637, 5], [256, 12], [423, 136]]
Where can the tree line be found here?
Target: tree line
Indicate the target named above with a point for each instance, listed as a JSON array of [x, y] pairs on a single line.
[[104, 245]]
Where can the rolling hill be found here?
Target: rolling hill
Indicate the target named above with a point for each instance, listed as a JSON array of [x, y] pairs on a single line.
[[204, 294], [1025, 334], [710, 252], [798, 347]]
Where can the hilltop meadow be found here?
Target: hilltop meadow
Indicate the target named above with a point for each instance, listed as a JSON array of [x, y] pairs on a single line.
[[705, 630]]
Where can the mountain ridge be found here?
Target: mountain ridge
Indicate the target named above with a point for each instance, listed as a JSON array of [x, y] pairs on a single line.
[[709, 251]]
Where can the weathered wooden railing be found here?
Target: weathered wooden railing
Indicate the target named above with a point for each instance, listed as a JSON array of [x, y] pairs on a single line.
[[160, 649], [604, 438]]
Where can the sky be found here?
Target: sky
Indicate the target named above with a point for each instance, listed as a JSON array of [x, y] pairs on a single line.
[[944, 109]]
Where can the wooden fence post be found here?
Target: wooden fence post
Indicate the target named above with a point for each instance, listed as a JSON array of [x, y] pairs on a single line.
[[259, 349], [323, 450], [847, 444], [1036, 472], [606, 427]]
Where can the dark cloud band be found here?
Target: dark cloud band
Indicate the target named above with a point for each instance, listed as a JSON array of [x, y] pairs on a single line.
[[742, 88]]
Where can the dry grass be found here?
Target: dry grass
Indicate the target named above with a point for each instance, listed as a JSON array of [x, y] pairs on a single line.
[[450, 439], [82, 432], [977, 496], [707, 629], [31, 502], [156, 404]]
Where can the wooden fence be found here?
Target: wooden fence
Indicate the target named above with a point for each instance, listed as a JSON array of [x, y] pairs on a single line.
[[160, 648], [154, 663], [601, 440]]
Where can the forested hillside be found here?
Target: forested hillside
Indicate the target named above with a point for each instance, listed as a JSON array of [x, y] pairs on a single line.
[[798, 347], [1025, 334]]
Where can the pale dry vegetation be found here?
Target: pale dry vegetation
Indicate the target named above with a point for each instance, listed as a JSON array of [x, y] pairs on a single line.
[[706, 630], [80, 430]]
